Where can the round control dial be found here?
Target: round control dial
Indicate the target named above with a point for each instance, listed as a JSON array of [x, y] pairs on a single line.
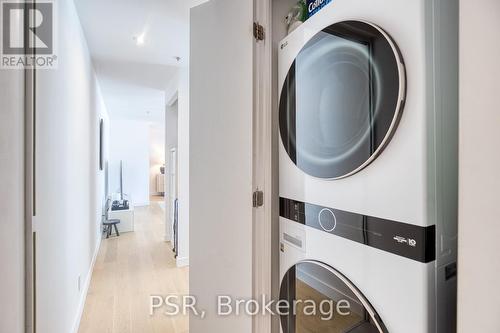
[[327, 220]]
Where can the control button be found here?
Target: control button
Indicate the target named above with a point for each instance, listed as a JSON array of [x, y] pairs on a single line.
[[327, 220]]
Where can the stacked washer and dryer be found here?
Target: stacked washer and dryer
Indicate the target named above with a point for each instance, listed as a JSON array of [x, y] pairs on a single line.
[[368, 118]]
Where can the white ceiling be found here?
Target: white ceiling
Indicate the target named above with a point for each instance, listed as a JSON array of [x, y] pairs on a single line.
[[133, 78]]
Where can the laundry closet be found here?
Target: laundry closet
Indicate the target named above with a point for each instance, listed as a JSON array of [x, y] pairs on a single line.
[[365, 98], [344, 187]]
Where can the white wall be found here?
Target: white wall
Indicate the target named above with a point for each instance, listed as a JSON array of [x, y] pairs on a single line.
[[11, 201], [100, 184], [69, 182], [178, 136], [183, 174], [171, 140], [156, 154], [479, 226], [221, 124], [129, 142], [171, 125]]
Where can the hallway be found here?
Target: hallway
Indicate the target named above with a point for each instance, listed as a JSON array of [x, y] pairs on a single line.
[[128, 270]]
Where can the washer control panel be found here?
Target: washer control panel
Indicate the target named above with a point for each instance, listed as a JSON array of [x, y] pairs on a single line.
[[404, 239]]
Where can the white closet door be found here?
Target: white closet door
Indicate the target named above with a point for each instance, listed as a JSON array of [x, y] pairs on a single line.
[[221, 106]]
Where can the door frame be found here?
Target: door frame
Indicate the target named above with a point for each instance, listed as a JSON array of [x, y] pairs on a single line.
[[30, 236], [264, 167], [29, 201]]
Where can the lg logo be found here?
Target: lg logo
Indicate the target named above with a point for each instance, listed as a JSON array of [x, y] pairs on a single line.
[[403, 240], [28, 30]]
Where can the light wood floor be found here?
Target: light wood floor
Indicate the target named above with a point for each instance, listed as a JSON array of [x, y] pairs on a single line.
[[128, 270]]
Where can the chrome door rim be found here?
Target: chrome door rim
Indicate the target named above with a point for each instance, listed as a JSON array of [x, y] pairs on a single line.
[[399, 106], [366, 304]]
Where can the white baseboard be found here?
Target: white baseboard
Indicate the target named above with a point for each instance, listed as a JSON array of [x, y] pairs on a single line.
[[182, 262], [83, 295]]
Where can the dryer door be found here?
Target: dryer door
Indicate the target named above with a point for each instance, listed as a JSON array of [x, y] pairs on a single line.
[[316, 298], [341, 100]]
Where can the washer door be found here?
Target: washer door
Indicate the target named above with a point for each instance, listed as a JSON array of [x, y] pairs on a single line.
[[324, 301], [341, 100]]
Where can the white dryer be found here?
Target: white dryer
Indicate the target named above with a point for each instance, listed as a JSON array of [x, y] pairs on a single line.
[[368, 118]]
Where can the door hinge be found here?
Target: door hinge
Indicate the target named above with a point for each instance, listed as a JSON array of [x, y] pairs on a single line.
[[258, 199], [258, 31]]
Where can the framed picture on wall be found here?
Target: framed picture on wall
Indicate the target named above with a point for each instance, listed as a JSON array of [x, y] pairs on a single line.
[[101, 144]]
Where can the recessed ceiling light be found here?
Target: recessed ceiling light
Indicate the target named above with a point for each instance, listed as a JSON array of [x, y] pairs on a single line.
[[139, 39]]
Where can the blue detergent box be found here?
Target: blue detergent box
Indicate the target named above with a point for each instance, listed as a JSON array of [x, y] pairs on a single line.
[[314, 6]]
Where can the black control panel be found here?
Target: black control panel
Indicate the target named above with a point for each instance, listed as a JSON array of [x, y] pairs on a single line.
[[406, 240]]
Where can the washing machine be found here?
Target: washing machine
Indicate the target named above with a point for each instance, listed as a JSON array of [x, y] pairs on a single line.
[[368, 121]]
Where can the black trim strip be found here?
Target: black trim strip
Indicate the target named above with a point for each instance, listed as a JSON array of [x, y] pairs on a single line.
[[406, 240]]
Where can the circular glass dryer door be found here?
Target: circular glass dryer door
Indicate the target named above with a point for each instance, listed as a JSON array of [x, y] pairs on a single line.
[[316, 298], [341, 100]]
